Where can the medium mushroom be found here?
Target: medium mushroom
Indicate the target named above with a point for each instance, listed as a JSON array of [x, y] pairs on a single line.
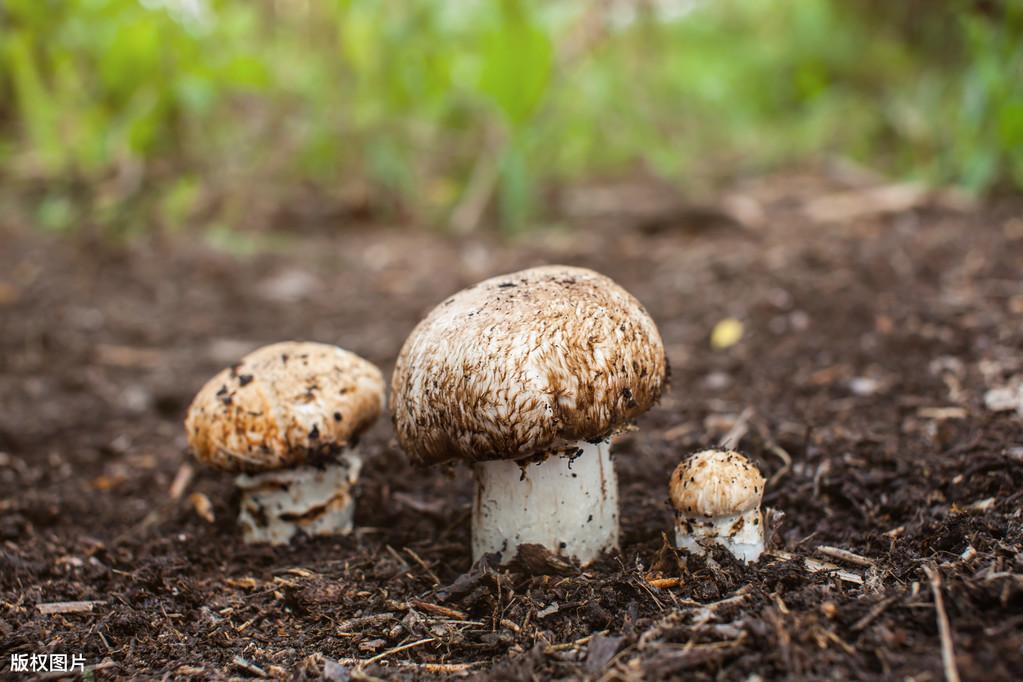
[[528, 376], [716, 495], [287, 419]]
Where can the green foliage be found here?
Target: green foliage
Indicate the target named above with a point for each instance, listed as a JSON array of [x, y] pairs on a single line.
[[148, 112], [988, 147]]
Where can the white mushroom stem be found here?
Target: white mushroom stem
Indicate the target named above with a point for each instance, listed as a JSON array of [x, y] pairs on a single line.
[[741, 534], [567, 504], [277, 505]]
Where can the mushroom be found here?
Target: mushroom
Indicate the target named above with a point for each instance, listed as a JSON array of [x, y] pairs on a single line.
[[716, 495], [287, 419], [528, 376]]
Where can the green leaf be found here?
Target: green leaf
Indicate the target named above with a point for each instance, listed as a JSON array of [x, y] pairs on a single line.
[[56, 213], [515, 187], [517, 62]]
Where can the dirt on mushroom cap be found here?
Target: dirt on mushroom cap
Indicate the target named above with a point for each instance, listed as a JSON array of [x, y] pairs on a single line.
[[525, 363], [283, 405]]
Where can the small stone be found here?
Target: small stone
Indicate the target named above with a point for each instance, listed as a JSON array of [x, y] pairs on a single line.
[[864, 386], [1005, 399]]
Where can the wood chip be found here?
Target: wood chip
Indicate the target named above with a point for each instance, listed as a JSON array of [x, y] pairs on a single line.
[[68, 607], [548, 610], [244, 583], [248, 666], [189, 670], [433, 668], [439, 610], [181, 481], [982, 505], [301, 572], [815, 566], [346, 627], [941, 413], [846, 556]]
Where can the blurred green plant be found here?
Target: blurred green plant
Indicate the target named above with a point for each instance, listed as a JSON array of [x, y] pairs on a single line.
[[130, 115]]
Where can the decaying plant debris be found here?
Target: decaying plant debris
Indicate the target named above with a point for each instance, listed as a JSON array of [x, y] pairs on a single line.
[[857, 387]]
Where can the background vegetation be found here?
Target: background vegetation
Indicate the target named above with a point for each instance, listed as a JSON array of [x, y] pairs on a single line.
[[134, 115]]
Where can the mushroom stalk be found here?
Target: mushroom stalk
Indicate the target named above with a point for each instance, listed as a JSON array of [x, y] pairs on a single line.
[[567, 504], [309, 500], [741, 534]]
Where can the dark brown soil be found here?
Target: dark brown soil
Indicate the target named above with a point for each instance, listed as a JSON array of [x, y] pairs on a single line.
[[855, 330]]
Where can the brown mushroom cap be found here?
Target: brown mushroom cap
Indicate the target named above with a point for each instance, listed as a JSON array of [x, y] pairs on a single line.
[[716, 483], [525, 363], [283, 405]]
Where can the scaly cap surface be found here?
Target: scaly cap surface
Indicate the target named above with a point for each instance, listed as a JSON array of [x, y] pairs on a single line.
[[282, 405], [716, 483], [525, 363]]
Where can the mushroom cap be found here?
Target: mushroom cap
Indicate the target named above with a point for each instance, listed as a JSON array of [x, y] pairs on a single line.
[[523, 364], [284, 405], [716, 483]]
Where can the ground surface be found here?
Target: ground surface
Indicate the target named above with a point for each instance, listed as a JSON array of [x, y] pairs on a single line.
[[857, 329]]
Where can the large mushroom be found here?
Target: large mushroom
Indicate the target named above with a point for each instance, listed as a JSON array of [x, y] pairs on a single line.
[[287, 419], [528, 376]]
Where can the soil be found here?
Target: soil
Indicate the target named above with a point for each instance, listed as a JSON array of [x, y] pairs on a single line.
[[870, 340]]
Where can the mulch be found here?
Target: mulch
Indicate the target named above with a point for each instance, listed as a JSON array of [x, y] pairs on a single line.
[[870, 343]]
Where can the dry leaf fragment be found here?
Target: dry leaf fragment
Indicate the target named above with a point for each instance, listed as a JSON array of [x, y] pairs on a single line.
[[202, 506]]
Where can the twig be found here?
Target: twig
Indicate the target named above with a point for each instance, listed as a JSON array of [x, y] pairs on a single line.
[[426, 567], [781, 633], [846, 647], [739, 595], [181, 481], [846, 556], [784, 456], [399, 558], [948, 656], [738, 430], [396, 649], [643, 584], [878, 609], [565, 646]]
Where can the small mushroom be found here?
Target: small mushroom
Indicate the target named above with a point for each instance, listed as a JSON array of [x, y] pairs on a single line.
[[527, 376], [716, 495], [287, 419]]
